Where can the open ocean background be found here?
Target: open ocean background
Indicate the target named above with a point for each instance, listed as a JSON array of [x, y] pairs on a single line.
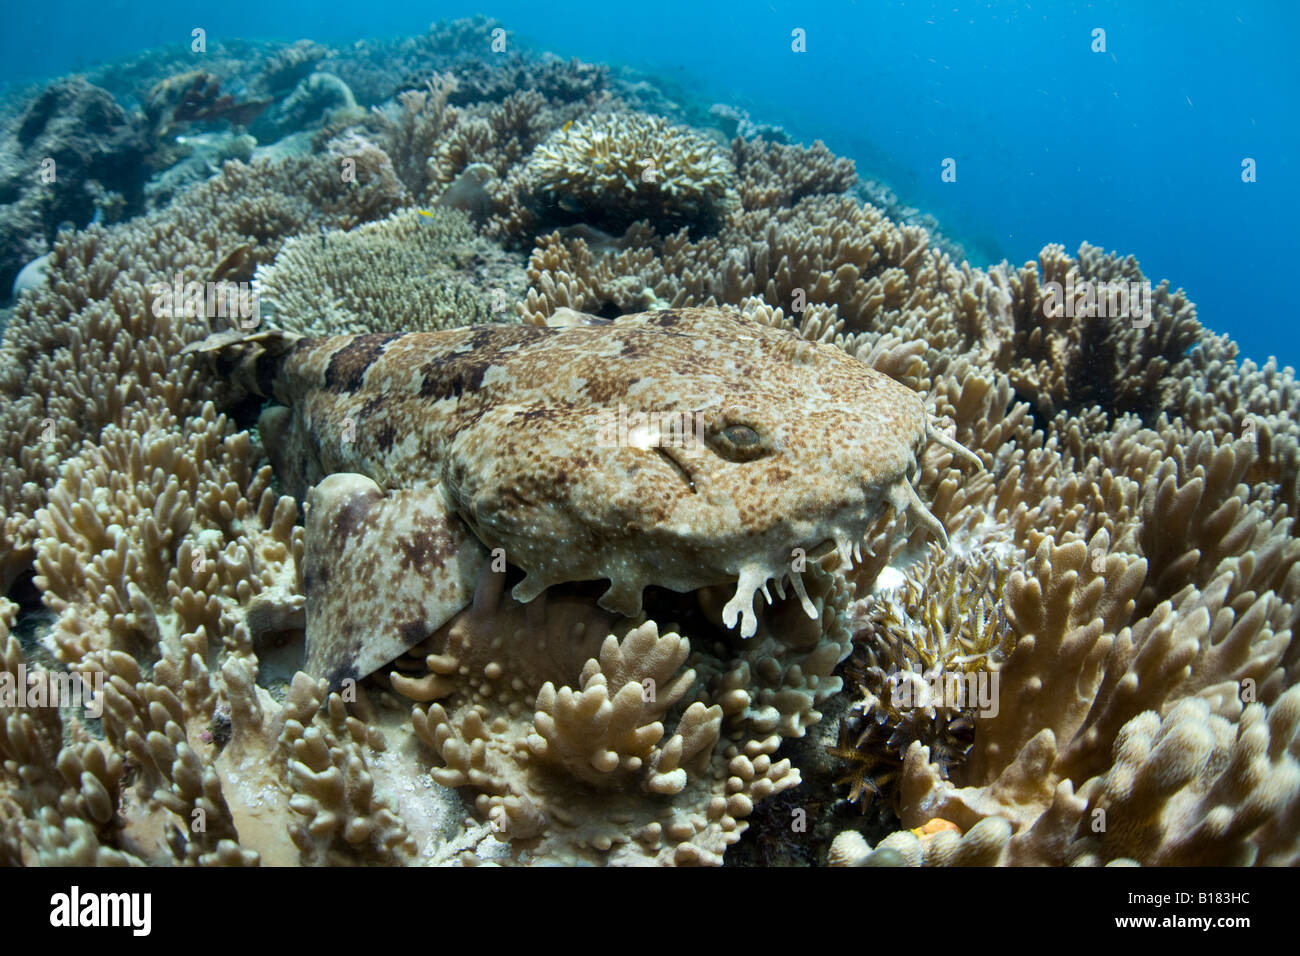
[[1138, 149]]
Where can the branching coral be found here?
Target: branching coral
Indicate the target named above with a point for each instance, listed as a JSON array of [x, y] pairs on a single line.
[[412, 130], [773, 175], [102, 341], [155, 537], [827, 251], [1078, 692], [630, 756], [1070, 349]]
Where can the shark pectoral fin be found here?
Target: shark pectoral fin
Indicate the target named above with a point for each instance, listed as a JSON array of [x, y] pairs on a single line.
[[383, 572]]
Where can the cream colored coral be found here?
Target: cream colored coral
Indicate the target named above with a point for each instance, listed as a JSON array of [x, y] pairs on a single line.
[[613, 722], [629, 166], [1139, 495], [406, 273], [143, 539], [623, 768]]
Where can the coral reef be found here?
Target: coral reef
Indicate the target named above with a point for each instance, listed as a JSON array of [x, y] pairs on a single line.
[[319, 98], [71, 155], [926, 654], [648, 752], [1121, 577], [195, 97], [378, 70]]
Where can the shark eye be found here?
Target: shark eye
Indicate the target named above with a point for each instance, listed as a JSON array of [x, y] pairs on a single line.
[[738, 443], [742, 436]]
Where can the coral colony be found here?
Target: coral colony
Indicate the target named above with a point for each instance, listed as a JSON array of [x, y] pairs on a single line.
[[435, 453]]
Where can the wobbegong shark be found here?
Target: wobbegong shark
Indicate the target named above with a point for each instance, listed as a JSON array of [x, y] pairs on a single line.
[[684, 448]]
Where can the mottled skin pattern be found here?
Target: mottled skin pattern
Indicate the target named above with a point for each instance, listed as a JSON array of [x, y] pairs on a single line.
[[513, 429]]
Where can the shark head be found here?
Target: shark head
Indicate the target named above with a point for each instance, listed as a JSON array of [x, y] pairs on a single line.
[[684, 449]]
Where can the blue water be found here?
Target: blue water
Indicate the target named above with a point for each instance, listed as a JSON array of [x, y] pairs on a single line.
[[1137, 149]]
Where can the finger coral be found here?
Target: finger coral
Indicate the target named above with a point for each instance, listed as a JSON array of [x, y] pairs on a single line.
[[638, 757]]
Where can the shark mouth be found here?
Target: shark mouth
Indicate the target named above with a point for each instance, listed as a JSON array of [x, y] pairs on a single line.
[[753, 577]]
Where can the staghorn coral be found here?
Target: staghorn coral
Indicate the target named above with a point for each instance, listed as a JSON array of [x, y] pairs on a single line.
[[297, 770], [554, 78], [1191, 789], [432, 142], [377, 70], [503, 135], [1080, 682], [1198, 520]]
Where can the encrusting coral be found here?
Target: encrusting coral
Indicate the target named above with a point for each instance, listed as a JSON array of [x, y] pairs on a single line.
[[1121, 575]]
